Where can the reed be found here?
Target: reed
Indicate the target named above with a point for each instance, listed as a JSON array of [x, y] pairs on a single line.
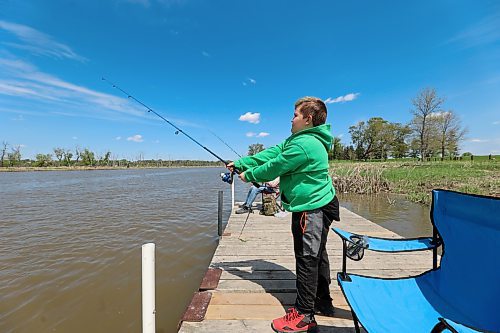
[[361, 179], [416, 179]]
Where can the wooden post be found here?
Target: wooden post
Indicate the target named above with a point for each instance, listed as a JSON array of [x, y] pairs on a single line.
[[219, 213], [148, 288]]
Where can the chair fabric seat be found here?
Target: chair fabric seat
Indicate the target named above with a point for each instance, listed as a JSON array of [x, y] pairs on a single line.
[[396, 305], [390, 245]]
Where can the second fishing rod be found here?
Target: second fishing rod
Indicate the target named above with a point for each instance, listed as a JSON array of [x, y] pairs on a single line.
[[178, 130]]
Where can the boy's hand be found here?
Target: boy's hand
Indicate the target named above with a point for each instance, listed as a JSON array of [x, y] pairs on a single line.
[[230, 166], [242, 177]]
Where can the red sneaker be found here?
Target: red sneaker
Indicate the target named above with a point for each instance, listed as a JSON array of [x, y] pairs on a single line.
[[294, 322]]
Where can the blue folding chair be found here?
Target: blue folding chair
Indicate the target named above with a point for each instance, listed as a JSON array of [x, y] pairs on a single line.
[[461, 295]]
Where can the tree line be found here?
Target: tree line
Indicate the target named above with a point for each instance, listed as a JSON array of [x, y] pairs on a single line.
[[10, 156], [432, 132]]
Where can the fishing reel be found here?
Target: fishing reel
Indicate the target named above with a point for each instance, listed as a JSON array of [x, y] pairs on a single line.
[[227, 177], [356, 248]]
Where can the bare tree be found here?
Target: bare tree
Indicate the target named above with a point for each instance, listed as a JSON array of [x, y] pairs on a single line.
[[15, 156], [78, 154], [424, 105], [450, 131], [4, 151]]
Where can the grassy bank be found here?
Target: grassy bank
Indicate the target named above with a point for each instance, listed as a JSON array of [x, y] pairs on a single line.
[[416, 179]]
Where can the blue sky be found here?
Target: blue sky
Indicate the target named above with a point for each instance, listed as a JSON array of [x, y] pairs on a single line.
[[235, 68]]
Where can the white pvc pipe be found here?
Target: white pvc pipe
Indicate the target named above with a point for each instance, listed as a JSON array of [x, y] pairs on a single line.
[[148, 288]]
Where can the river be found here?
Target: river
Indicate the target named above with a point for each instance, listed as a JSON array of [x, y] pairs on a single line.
[[70, 243]]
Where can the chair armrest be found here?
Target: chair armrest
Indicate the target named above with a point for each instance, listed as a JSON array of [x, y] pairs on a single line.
[[388, 244]]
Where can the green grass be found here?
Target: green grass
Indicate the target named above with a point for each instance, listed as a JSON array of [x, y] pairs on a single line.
[[417, 179]]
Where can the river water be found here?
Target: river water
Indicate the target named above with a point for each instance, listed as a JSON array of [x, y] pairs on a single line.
[[70, 243]]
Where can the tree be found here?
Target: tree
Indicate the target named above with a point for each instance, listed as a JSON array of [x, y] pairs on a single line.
[[43, 160], [59, 152], [78, 153], [337, 149], [5, 145], [255, 148], [88, 157], [14, 156], [449, 132], [371, 138], [67, 157], [399, 146], [349, 153], [424, 105], [105, 159]]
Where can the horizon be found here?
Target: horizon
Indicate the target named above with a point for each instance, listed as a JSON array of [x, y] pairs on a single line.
[[232, 72]]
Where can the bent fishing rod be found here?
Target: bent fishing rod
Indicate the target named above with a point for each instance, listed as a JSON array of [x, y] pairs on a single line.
[[178, 130]]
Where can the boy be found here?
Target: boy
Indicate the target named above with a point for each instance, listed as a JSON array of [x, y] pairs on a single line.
[[307, 191]]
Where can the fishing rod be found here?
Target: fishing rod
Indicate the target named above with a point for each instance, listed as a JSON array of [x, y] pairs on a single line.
[[178, 130]]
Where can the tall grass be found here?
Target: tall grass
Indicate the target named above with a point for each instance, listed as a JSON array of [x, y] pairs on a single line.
[[417, 179]]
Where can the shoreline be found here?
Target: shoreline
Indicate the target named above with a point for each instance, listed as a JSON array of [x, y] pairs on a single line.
[[88, 168]]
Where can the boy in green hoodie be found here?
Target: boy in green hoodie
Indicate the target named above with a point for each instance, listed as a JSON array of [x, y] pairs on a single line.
[[307, 191]]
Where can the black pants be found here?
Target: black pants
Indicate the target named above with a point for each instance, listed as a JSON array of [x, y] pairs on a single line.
[[310, 232]]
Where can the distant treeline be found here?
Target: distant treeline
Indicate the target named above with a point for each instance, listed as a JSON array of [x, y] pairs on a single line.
[[61, 157]]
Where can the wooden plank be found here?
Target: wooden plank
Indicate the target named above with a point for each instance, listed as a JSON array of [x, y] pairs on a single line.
[[211, 279], [197, 309]]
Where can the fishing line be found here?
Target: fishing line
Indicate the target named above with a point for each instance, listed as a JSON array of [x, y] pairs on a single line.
[[228, 146], [244, 224], [178, 130]]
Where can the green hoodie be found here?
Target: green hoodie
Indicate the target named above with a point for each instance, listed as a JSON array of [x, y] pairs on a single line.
[[302, 163]]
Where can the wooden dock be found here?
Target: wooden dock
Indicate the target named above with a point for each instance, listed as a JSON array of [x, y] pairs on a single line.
[[258, 278]]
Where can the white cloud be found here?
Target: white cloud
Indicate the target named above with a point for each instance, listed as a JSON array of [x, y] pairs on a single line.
[[250, 134], [135, 138], [118, 138], [74, 138], [248, 81], [262, 134], [38, 42], [478, 140], [342, 99], [496, 123], [22, 79], [205, 54], [253, 118]]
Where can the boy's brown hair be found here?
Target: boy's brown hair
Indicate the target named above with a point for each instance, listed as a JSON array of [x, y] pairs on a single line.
[[312, 106]]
